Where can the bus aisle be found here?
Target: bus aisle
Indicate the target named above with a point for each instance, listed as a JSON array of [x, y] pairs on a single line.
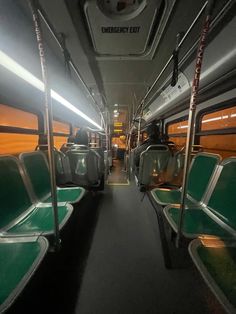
[[125, 272]]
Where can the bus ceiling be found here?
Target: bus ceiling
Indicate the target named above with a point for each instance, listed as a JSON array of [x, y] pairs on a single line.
[[119, 52]]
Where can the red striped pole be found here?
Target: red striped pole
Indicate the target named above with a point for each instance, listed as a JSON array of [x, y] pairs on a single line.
[[192, 111]]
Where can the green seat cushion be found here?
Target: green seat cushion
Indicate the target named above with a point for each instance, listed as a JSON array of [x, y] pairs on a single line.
[[218, 267], [221, 264], [17, 262], [71, 195], [167, 196], [163, 196], [40, 220], [196, 222]]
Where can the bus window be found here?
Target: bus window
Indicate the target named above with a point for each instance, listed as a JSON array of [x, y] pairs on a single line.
[[17, 118], [19, 130], [61, 127], [61, 131], [177, 132], [221, 119], [119, 141], [14, 144], [218, 132]]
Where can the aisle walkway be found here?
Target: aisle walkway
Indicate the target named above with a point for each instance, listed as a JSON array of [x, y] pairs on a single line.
[[118, 175], [125, 272]]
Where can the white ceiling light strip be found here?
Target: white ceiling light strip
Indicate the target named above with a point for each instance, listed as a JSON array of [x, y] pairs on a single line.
[[21, 72]]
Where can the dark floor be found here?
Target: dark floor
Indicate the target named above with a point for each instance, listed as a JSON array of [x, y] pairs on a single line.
[[111, 263], [118, 175]]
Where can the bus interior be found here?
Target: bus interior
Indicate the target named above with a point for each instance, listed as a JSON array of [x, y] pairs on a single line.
[[117, 156]]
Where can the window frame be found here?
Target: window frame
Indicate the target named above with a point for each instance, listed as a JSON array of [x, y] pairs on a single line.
[[184, 134]]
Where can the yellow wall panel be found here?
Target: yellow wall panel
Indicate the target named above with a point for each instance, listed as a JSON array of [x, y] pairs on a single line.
[[59, 141], [17, 118], [60, 127], [14, 144]]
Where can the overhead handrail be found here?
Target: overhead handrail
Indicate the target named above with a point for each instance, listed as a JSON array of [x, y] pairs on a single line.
[[171, 57], [175, 58], [64, 50], [213, 22], [49, 117]]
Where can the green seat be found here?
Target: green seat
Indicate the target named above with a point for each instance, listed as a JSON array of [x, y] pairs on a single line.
[[19, 258], [217, 265], [36, 168], [201, 171], [217, 216], [196, 223], [18, 214]]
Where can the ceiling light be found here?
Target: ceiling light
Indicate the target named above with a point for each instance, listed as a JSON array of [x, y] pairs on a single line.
[[115, 105], [115, 111], [21, 72]]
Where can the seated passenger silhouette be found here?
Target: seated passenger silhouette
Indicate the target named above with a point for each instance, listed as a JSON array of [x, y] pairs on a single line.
[[81, 137], [153, 139]]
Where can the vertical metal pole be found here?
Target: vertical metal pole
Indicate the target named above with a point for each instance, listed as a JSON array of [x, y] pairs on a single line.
[[192, 110], [139, 124], [106, 127], [48, 112]]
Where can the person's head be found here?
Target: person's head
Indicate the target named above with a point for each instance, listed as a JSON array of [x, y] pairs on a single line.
[[153, 131], [81, 137]]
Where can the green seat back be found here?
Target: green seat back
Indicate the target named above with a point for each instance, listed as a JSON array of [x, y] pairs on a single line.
[[202, 168], [223, 198], [37, 170], [14, 198]]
